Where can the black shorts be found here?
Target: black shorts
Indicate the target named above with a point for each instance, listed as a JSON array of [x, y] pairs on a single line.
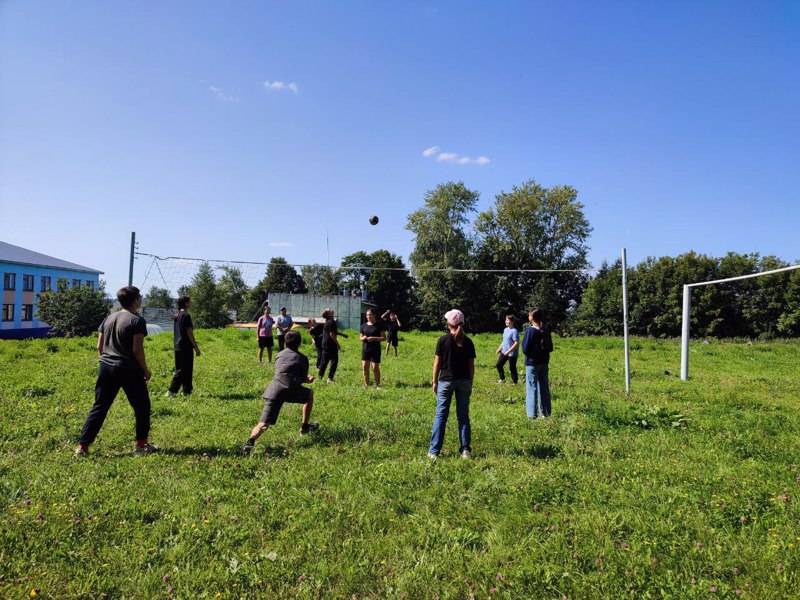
[[265, 342], [392, 339], [371, 354], [272, 406]]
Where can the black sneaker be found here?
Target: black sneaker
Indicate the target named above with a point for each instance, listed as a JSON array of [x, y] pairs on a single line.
[[146, 449], [248, 447], [308, 428]]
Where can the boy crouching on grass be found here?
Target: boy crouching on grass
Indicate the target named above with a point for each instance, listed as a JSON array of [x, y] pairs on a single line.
[[291, 372]]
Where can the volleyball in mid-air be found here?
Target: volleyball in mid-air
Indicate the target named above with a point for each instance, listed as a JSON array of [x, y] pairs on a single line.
[[373, 220]]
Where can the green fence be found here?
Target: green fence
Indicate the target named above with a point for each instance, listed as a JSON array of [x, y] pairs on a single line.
[[348, 311]]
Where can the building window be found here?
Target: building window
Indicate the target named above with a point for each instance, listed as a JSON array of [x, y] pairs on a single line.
[[27, 312], [9, 281], [8, 312], [27, 283], [90, 284], [76, 283], [46, 284]]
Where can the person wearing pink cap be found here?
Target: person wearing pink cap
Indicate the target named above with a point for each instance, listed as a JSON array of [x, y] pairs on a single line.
[[453, 373]]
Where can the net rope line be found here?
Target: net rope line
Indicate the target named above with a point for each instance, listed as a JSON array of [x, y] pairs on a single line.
[[365, 268]]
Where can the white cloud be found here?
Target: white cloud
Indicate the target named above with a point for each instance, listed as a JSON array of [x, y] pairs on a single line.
[[452, 157], [281, 244], [222, 95], [281, 85]]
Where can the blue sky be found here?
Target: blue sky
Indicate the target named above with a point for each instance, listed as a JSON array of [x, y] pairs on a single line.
[[230, 129]]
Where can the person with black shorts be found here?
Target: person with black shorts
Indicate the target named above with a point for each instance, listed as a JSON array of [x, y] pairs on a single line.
[[185, 349], [392, 329], [264, 333], [122, 365], [371, 338], [291, 372], [330, 345]]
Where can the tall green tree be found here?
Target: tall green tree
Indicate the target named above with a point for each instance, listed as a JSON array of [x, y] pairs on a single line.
[[233, 289], [158, 297], [600, 311], [390, 286], [357, 272], [280, 277], [532, 228], [441, 241], [73, 311], [207, 302], [321, 279]]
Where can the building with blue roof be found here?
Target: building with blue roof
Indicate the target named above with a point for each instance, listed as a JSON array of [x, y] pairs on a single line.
[[26, 274]]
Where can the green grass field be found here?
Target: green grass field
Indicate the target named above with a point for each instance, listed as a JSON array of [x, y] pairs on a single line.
[[682, 490]]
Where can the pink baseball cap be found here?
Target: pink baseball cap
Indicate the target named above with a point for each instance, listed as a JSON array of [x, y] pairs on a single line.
[[454, 317]]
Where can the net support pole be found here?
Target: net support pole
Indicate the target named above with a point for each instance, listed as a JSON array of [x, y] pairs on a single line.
[[130, 266], [625, 321], [687, 301]]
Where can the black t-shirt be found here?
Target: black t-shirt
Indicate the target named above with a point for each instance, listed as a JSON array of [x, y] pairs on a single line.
[[118, 330], [327, 330], [182, 323], [392, 327], [371, 331], [316, 334], [454, 360]]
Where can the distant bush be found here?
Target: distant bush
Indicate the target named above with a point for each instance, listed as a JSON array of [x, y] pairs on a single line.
[[73, 311]]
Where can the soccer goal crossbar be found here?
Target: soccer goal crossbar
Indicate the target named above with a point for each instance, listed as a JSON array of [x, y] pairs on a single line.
[[687, 303]]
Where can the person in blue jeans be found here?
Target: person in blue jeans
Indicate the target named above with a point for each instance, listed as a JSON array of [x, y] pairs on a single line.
[[536, 346], [453, 373]]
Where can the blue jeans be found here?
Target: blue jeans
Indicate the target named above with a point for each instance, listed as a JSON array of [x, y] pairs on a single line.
[[537, 391], [463, 390]]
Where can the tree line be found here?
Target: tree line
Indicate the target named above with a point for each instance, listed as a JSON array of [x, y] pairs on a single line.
[[529, 248]]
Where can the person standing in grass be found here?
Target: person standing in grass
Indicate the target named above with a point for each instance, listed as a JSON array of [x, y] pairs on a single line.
[[284, 324], [185, 348], [122, 365], [330, 345], [453, 373], [537, 344], [393, 328], [508, 351], [291, 372], [315, 331], [264, 333], [371, 338]]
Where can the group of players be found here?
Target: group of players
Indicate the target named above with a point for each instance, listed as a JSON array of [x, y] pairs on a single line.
[[123, 365]]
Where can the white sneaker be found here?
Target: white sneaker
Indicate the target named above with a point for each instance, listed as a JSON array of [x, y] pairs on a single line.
[[466, 454], [433, 456], [169, 394]]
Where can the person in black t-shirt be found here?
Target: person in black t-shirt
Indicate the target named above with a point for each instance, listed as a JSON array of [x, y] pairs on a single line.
[[371, 338], [315, 331], [393, 326], [453, 373], [122, 365], [185, 349], [330, 345]]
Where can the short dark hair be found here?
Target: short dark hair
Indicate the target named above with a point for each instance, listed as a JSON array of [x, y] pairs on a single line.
[[292, 340], [128, 295], [512, 318], [537, 314], [327, 313]]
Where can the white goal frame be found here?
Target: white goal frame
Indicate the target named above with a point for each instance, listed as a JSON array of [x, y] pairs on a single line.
[[687, 302]]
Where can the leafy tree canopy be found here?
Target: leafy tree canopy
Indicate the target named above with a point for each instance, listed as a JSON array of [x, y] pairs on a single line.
[[73, 311]]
